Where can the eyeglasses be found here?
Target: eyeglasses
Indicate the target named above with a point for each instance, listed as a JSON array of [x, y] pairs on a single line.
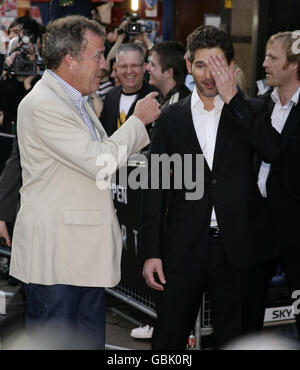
[[124, 67]]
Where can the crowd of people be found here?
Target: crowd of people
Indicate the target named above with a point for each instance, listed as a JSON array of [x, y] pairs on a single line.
[[73, 114]]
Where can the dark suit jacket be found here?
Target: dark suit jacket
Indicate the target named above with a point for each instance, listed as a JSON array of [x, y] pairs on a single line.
[[283, 185], [181, 238], [10, 184], [110, 111]]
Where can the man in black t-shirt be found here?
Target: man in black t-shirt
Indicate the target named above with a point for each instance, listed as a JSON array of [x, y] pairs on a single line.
[[120, 101]]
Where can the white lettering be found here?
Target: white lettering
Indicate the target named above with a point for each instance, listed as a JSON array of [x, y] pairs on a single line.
[[296, 304], [124, 360]]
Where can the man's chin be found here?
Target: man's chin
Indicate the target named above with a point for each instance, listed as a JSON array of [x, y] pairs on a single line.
[[270, 82], [209, 94]]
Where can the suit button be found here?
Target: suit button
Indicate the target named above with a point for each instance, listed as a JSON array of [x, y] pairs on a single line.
[[214, 181]]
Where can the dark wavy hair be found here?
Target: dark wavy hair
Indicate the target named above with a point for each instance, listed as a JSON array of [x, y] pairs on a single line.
[[208, 37]]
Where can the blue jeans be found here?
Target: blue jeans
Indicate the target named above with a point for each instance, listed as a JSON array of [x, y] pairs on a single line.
[[74, 315]]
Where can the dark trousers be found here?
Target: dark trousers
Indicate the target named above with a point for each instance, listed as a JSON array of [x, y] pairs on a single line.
[[259, 282], [74, 316], [179, 304]]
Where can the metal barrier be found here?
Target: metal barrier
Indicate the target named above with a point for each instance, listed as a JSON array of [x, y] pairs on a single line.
[[274, 315], [135, 298]]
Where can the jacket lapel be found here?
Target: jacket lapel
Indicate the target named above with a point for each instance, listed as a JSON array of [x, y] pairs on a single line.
[[290, 125], [223, 135], [188, 134], [269, 109], [55, 86], [99, 129]]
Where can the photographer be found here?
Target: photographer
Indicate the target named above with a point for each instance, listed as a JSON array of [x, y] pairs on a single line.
[[130, 30], [17, 81], [20, 69]]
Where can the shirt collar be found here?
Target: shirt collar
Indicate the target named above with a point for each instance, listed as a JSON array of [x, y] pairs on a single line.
[[294, 99], [197, 103], [73, 93]]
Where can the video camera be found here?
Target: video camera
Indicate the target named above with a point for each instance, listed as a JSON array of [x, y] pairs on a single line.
[[22, 65], [136, 26]]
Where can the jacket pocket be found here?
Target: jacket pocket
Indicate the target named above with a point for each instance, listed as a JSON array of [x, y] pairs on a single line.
[[82, 217]]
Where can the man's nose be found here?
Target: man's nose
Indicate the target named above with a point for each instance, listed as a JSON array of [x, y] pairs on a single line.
[[265, 62], [208, 74], [129, 68], [102, 62]]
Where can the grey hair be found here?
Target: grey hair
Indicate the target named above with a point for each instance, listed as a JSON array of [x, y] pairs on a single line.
[[125, 48], [66, 36]]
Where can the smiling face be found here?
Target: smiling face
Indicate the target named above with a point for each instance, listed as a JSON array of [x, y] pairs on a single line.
[[199, 68], [86, 69], [279, 72], [130, 70]]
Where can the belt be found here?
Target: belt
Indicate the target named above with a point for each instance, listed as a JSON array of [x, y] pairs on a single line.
[[214, 231]]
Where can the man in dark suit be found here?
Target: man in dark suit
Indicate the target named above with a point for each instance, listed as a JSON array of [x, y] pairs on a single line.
[[279, 183], [193, 246], [120, 101]]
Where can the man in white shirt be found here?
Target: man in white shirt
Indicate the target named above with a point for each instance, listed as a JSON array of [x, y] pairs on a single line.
[[207, 244], [279, 183]]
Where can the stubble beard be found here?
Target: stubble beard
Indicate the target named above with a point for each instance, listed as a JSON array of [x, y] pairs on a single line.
[[207, 94]]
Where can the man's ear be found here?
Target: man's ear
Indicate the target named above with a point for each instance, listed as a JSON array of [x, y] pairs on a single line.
[[169, 72], [294, 67], [69, 60], [188, 65]]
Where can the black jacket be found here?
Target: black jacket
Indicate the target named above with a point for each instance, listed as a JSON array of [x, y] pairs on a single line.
[[110, 111], [176, 230], [283, 185]]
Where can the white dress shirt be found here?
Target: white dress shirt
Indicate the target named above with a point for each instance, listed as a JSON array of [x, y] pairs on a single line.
[[279, 116], [206, 125]]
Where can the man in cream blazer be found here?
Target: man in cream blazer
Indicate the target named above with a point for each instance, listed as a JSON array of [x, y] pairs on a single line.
[[67, 244]]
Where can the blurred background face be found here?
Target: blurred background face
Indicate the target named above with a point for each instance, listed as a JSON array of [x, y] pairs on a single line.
[[157, 77], [15, 31], [130, 70]]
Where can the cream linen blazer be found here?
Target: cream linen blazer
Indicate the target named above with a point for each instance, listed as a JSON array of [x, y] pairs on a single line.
[[66, 231]]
